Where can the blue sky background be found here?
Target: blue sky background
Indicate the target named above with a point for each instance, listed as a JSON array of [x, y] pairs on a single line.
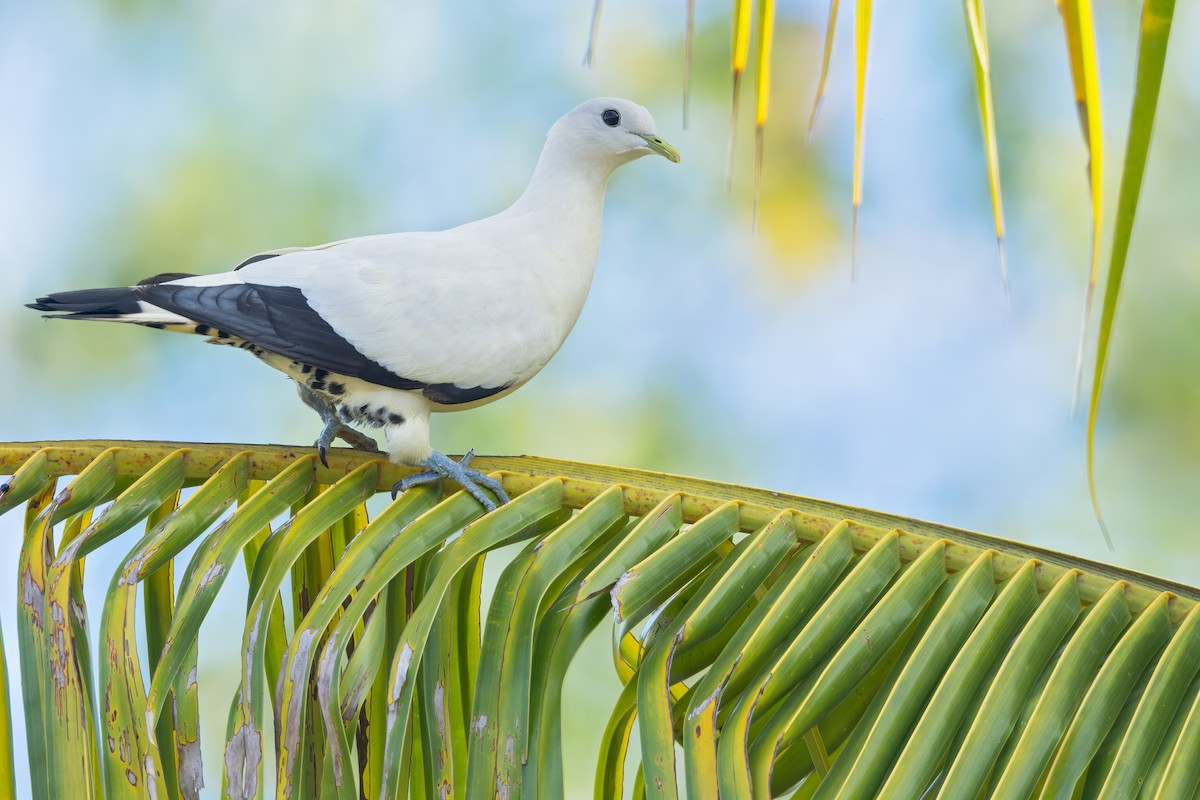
[[139, 138]]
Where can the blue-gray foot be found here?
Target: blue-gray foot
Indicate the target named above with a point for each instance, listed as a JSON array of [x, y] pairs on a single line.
[[439, 466], [334, 428]]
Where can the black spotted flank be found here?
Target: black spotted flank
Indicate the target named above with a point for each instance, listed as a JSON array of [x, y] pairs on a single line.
[[376, 417]]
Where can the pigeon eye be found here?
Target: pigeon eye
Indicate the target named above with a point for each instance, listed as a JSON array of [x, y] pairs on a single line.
[[611, 117]]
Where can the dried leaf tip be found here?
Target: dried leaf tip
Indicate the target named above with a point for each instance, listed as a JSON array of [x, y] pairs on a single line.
[[589, 57]]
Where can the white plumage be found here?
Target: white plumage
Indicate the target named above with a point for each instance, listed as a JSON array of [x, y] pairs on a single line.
[[383, 330]]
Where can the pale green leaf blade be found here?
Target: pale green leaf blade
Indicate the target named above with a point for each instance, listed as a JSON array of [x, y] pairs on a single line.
[[372, 562], [1181, 773], [971, 669], [555, 557], [562, 630], [614, 745], [59, 720], [8, 767], [977, 34], [209, 567], [1063, 691], [1152, 52], [307, 526], [1173, 674], [71, 734], [467, 630], [123, 693], [1106, 696], [30, 479], [648, 584], [837, 615], [379, 557], [1028, 655], [884, 681], [654, 528], [793, 597], [495, 740], [899, 607], [727, 589], [1173, 745], [31, 576], [851, 602], [917, 679], [516, 519]]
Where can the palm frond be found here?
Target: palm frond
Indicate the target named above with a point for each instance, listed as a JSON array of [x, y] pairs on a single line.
[[764, 641]]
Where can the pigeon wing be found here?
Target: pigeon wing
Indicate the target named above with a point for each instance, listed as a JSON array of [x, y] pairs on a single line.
[[277, 318]]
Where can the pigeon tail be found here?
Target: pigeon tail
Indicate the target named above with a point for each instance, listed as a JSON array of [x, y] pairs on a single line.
[[98, 303]]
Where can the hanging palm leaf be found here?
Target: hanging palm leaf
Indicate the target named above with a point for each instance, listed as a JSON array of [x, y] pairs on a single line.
[[780, 641], [1079, 32]]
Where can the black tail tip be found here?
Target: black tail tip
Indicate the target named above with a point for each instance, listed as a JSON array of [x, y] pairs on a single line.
[[105, 302]]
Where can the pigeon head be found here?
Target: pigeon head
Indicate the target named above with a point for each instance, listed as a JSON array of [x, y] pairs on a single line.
[[609, 129]]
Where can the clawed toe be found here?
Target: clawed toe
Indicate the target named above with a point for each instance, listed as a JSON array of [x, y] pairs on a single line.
[[322, 444], [335, 430], [416, 479], [440, 466], [491, 484]]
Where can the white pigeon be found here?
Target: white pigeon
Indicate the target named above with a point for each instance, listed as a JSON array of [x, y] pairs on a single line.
[[384, 330]]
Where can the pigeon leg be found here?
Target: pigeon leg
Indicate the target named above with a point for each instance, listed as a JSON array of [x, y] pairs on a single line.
[[439, 466], [334, 428]]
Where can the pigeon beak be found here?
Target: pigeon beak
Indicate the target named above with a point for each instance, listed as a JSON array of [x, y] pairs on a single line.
[[659, 146]]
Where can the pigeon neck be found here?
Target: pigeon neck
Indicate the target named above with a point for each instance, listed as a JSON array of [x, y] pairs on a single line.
[[564, 182], [561, 211]]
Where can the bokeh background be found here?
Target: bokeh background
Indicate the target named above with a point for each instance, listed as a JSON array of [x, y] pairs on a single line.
[[141, 137]]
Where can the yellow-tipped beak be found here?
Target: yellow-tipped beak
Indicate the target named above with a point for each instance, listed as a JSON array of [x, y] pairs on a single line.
[[662, 148]]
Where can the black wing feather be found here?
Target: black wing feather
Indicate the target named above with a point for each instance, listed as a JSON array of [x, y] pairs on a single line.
[[279, 319]]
